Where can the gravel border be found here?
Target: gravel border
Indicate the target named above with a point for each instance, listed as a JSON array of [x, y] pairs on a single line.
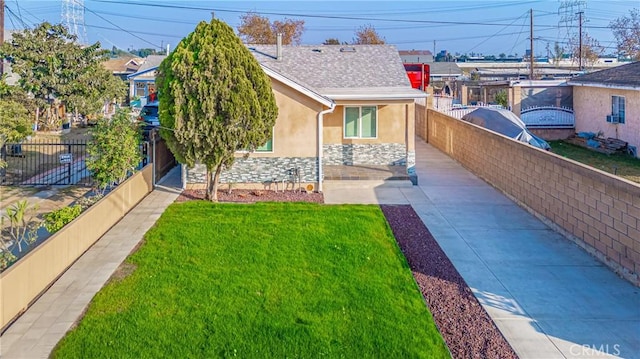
[[464, 324]]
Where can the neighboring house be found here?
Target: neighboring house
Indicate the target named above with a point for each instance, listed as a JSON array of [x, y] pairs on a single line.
[[120, 67], [337, 105], [443, 76], [608, 101], [143, 82], [123, 66], [416, 56]]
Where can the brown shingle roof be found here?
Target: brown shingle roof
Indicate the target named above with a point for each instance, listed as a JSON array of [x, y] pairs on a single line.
[[123, 64], [623, 75]]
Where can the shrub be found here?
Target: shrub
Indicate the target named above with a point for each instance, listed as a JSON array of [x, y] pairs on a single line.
[[54, 221], [86, 202]]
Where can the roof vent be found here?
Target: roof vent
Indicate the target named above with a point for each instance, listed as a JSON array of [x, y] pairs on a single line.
[[316, 50], [347, 49]]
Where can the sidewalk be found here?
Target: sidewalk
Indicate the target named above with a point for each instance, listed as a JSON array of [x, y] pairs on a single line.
[[549, 298], [40, 328]]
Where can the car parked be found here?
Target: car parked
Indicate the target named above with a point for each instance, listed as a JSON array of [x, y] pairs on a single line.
[[149, 114], [148, 119]]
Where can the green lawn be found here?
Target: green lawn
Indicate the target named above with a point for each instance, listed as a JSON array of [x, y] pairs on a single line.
[[623, 165], [268, 280]]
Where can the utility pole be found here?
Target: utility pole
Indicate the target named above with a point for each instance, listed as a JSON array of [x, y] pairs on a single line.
[[1, 34], [531, 45], [580, 41], [434, 49]]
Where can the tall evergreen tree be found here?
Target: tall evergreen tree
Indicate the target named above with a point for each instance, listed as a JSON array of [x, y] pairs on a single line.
[[215, 99]]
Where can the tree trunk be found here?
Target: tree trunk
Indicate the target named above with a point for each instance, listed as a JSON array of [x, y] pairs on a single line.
[[212, 184], [36, 127]]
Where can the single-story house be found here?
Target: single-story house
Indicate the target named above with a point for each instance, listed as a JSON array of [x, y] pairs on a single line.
[[143, 82], [608, 101], [443, 77], [337, 105], [123, 66], [416, 56]]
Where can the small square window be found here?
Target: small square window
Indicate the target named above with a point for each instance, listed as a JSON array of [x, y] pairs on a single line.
[[360, 122]]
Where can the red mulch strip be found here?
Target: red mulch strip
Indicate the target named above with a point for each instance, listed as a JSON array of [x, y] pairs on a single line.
[[252, 196], [465, 326]]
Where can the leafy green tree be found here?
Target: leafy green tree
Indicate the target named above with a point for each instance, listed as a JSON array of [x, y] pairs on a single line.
[[15, 123], [144, 52], [502, 98], [52, 66], [215, 99], [93, 88], [114, 150]]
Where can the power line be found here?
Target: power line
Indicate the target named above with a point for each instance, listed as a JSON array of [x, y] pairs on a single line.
[[135, 32], [492, 36], [336, 17], [18, 18], [127, 31]]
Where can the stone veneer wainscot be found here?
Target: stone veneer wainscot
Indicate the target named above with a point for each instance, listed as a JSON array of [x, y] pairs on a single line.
[[260, 170], [385, 154]]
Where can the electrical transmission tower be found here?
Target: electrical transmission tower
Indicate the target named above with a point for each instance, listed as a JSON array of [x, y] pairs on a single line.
[[569, 11], [73, 19]]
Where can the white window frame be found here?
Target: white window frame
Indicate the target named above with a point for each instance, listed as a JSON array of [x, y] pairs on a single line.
[[359, 135], [273, 145], [622, 100]]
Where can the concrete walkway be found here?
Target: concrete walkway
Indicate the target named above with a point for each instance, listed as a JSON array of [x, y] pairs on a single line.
[[548, 297], [40, 328]]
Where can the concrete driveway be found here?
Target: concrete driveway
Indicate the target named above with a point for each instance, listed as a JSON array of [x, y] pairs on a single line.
[[548, 297]]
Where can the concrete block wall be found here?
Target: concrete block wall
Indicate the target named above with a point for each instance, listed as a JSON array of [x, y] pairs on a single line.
[[598, 211], [23, 282]]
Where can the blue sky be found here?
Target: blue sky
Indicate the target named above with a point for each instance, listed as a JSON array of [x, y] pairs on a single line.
[[484, 27]]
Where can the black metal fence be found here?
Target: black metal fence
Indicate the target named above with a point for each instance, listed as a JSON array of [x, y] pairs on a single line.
[[44, 162]]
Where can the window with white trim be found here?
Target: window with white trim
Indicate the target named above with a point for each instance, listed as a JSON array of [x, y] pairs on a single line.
[[617, 109], [360, 122], [267, 147]]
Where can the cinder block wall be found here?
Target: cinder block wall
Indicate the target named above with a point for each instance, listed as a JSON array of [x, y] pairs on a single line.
[[598, 211]]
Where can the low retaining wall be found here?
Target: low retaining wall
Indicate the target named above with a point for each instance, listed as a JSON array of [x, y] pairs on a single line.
[[26, 279], [598, 211], [552, 134]]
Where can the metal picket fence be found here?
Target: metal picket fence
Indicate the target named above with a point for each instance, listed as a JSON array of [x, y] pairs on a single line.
[[44, 162]]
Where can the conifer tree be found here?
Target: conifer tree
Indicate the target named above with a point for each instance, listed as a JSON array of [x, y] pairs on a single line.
[[215, 99]]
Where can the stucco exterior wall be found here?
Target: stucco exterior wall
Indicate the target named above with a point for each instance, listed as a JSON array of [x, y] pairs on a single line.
[[295, 132], [392, 123], [295, 141], [593, 104]]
